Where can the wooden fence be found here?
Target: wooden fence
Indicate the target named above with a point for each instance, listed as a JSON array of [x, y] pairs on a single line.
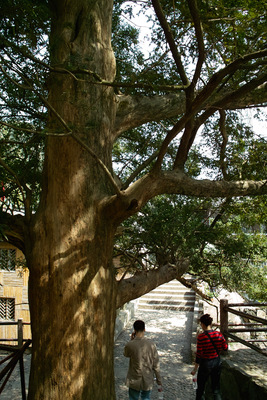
[[16, 356], [19, 338], [229, 330]]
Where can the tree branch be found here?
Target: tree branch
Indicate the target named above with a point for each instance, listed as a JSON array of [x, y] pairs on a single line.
[[229, 70], [218, 217], [139, 169], [100, 163], [134, 111], [41, 133], [200, 101], [19, 85], [15, 127], [17, 181], [12, 229], [199, 35], [145, 86], [224, 142], [97, 80], [170, 39], [175, 182], [190, 285], [145, 281], [69, 132]]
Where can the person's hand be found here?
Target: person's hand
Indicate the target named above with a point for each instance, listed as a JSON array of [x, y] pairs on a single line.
[[194, 371], [160, 388], [132, 335]]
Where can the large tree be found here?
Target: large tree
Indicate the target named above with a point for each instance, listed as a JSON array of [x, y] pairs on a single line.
[[68, 94]]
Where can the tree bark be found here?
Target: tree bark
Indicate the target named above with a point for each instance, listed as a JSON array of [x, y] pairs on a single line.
[[73, 306], [133, 111], [72, 290]]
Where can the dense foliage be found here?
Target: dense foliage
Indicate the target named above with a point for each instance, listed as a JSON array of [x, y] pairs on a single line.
[[225, 239], [222, 246]]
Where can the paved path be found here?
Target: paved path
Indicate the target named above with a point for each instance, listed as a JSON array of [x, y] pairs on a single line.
[[171, 331]]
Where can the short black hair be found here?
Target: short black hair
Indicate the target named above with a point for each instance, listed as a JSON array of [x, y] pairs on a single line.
[[206, 319], [139, 326]]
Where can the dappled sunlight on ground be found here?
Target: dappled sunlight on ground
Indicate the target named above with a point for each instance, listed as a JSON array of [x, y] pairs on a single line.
[[171, 331]]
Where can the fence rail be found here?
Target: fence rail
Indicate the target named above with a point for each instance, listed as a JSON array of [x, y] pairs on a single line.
[[16, 355], [20, 325], [226, 308]]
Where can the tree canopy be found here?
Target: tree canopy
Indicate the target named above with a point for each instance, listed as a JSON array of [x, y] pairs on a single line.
[[206, 62], [224, 242]]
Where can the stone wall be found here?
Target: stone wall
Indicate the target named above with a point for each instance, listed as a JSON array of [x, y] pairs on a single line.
[[238, 385], [198, 311], [124, 315]]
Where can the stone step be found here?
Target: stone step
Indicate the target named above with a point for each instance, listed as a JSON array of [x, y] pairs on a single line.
[[169, 304], [172, 301], [171, 290], [157, 307], [169, 296], [177, 283], [143, 300], [172, 287]]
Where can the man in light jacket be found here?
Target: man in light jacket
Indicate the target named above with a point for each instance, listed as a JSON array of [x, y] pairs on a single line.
[[144, 363]]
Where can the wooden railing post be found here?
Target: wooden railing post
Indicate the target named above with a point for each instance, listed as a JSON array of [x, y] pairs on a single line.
[[224, 318], [20, 332]]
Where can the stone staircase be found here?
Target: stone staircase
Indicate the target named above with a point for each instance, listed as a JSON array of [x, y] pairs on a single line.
[[169, 296]]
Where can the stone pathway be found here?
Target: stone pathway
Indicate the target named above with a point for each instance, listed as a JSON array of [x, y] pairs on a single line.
[[12, 390], [170, 330]]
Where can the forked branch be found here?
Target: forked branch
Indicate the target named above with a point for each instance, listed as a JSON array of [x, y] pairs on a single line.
[[201, 100], [199, 35], [170, 39]]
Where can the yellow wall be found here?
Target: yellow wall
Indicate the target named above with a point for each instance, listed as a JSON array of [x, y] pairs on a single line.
[[14, 284]]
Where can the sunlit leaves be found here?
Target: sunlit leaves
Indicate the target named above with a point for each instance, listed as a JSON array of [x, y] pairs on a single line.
[[225, 241]]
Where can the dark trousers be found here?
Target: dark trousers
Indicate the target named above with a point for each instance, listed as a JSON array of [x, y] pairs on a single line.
[[208, 368]]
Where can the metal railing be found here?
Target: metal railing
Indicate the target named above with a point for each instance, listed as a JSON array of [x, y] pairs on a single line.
[[228, 332]]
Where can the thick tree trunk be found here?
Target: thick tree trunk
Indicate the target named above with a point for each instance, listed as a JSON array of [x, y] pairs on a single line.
[[72, 290], [73, 305]]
